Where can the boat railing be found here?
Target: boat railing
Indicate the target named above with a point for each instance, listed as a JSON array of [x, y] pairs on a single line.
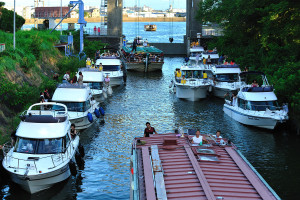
[[43, 161], [259, 108], [43, 109]]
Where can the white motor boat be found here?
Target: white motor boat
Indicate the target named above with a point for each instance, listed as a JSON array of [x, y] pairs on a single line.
[[44, 150], [111, 67], [93, 78], [196, 87], [226, 79], [256, 106], [82, 108]]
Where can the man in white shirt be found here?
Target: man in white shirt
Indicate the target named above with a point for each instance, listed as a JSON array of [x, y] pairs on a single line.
[[218, 134], [197, 139]]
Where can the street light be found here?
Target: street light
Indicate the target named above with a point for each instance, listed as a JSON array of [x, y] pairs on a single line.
[[14, 24]]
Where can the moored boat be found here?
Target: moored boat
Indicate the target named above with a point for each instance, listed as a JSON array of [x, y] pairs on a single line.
[[93, 78], [170, 166], [144, 59], [226, 79], [150, 27], [82, 108], [197, 82], [256, 105], [44, 148], [112, 67]]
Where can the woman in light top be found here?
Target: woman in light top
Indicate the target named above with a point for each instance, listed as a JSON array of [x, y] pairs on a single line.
[[198, 139]]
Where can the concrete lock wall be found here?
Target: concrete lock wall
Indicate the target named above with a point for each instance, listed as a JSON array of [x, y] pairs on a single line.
[[171, 48]]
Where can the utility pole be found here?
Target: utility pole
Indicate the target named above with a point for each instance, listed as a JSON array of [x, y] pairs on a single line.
[[61, 16], [14, 24]]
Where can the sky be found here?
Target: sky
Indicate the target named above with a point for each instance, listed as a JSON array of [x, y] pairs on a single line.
[[156, 4]]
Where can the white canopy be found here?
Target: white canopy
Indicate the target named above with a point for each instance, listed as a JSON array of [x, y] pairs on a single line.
[[71, 94], [42, 130], [108, 61], [258, 96]]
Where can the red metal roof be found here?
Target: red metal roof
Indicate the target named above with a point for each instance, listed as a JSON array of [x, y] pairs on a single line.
[[185, 176]]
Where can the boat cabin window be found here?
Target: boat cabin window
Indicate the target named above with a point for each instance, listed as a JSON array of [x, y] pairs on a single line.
[[67, 141], [75, 106], [39, 146], [263, 105], [227, 77], [95, 85], [258, 105], [192, 73], [111, 67]]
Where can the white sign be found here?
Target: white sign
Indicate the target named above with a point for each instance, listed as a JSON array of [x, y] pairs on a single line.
[[2, 47]]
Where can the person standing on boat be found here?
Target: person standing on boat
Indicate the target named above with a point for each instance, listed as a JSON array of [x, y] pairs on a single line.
[[208, 61], [88, 62], [183, 80], [47, 95], [204, 75], [198, 139], [98, 30], [149, 130], [100, 67], [134, 44], [107, 80], [73, 131], [197, 58], [218, 134], [221, 59], [66, 77], [178, 75], [254, 84], [80, 79], [97, 55], [204, 61], [74, 80]]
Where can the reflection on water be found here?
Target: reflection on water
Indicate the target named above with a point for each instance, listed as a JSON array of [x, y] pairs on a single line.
[[147, 97]]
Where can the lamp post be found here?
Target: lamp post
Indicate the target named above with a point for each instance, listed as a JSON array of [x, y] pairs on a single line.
[[14, 24]]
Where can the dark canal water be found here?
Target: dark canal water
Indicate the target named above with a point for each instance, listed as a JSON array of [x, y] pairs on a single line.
[[275, 154]]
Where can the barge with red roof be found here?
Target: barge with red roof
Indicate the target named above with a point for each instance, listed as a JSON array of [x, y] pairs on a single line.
[[170, 166]]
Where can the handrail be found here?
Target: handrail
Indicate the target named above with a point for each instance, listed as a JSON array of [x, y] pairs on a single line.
[[66, 152]]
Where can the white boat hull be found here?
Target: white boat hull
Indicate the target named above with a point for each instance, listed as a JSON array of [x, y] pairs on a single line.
[[261, 122], [220, 92], [37, 183], [140, 67], [82, 123], [191, 93]]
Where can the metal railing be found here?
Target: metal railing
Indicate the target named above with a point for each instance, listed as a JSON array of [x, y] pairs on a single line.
[[54, 159]]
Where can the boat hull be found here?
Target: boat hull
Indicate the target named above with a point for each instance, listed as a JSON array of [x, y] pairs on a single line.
[[191, 93], [140, 67], [261, 122], [37, 183], [82, 122], [220, 92]]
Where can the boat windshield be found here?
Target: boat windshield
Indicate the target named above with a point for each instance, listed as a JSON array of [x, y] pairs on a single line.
[[192, 73], [263, 105], [39, 146], [95, 85], [227, 77], [74, 106], [111, 67]]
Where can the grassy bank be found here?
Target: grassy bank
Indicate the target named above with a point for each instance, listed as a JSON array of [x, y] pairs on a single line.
[[26, 71]]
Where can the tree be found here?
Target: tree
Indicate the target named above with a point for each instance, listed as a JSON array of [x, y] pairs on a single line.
[[263, 35], [7, 18]]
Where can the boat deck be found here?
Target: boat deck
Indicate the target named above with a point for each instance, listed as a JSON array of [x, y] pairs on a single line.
[[174, 169]]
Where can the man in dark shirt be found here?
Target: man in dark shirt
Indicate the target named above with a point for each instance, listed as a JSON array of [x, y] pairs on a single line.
[[149, 130]]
